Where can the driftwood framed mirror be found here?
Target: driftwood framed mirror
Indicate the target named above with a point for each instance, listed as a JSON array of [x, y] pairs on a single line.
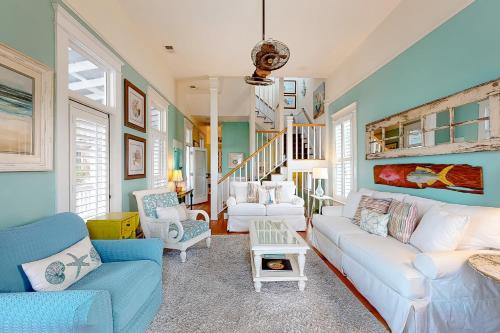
[[467, 121]]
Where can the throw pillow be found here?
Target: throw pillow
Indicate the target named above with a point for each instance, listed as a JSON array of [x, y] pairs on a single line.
[[253, 192], [373, 222], [351, 204], [267, 195], [402, 220], [168, 213], [239, 190], [439, 231], [380, 206], [285, 190], [182, 212], [61, 270]]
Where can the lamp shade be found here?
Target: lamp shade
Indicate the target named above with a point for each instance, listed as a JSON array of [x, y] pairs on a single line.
[[320, 173], [177, 176]]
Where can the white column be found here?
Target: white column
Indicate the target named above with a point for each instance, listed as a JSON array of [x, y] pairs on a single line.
[[289, 147], [280, 124], [251, 119], [214, 146]]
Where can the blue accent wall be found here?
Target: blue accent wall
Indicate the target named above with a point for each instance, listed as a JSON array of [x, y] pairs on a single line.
[[28, 26], [235, 139], [461, 53]]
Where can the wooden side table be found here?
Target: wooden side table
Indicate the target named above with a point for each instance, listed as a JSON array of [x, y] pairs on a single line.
[[121, 225], [183, 194]]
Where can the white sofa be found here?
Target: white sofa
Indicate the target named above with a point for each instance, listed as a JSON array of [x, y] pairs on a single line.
[[240, 212], [415, 291]]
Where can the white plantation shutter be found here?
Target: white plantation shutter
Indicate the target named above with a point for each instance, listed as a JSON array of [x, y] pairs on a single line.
[[89, 161], [343, 157], [158, 142]]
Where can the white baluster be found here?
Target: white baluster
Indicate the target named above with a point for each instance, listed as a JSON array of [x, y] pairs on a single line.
[[314, 142], [302, 145]]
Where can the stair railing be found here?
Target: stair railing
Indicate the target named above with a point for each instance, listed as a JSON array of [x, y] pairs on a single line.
[[257, 166], [308, 141]]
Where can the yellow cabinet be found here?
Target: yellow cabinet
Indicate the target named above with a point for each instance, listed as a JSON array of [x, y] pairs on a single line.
[[114, 225]]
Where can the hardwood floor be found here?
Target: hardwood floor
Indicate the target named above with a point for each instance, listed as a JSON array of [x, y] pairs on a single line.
[[219, 227]]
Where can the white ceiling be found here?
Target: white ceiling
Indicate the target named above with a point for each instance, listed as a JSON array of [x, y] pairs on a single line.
[[215, 37]]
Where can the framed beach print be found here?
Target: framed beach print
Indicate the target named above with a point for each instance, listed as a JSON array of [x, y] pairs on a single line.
[[135, 107], [26, 93], [135, 157], [234, 159], [290, 102], [319, 101], [290, 87]]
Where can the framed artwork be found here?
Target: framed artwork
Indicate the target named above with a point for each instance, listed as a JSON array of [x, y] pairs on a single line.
[[234, 159], [290, 102], [290, 87], [26, 118], [135, 107], [319, 101], [454, 177], [135, 157]]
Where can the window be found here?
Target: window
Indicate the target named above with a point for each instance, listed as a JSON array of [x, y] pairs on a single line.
[[86, 77], [158, 140], [89, 161], [344, 156]]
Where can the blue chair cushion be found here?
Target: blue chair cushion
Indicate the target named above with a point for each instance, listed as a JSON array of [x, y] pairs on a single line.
[[130, 283], [192, 228], [152, 201]]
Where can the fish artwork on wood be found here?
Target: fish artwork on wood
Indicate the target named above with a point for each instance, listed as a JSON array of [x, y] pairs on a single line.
[[455, 177]]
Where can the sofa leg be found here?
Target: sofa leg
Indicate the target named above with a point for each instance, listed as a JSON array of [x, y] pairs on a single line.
[[183, 256], [209, 241]]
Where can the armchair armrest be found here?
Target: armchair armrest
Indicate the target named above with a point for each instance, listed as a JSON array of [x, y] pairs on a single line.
[[231, 201], [64, 311], [298, 201], [193, 214], [130, 249], [438, 265], [332, 210]]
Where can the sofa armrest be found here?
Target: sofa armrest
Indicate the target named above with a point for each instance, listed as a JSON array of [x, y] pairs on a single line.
[[332, 210], [231, 201], [298, 201], [130, 250], [62, 311], [438, 265]]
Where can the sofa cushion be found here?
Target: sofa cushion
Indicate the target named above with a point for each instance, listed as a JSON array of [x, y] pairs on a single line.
[[388, 259], [285, 190], [192, 229], [483, 230], [423, 204], [247, 209], [155, 200], [130, 284], [333, 227], [284, 209], [388, 195]]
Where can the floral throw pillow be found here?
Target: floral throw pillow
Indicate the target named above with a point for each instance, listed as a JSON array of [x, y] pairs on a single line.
[[374, 222], [61, 270], [267, 195], [402, 221], [380, 206]]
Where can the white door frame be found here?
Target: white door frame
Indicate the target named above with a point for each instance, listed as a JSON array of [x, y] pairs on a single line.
[[197, 197]]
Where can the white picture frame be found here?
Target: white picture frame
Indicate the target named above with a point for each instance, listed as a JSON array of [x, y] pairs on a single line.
[[234, 159], [39, 156]]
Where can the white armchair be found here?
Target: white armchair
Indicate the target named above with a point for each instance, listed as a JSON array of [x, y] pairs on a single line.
[[177, 235]]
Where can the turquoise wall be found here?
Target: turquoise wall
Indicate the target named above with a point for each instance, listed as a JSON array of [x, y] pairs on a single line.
[[235, 139], [28, 26], [461, 53]]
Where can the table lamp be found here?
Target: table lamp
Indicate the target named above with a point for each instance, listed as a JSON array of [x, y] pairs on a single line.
[[320, 173], [177, 178]]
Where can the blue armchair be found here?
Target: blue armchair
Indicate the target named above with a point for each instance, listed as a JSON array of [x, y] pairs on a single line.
[[122, 295]]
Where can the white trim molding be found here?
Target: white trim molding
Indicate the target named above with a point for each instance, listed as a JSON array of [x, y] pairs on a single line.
[[41, 158], [69, 31]]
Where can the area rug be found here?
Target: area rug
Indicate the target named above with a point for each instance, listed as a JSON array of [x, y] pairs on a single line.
[[213, 292]]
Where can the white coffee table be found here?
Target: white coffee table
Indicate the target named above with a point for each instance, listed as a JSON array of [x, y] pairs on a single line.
[[277, 238]]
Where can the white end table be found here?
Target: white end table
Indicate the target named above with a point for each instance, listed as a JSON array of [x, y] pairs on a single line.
[[320, 200]]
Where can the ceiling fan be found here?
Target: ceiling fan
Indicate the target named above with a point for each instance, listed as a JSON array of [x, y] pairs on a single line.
[[267, 55]]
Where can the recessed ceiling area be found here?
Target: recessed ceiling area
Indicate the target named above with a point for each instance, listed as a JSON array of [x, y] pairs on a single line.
[[216, 37]]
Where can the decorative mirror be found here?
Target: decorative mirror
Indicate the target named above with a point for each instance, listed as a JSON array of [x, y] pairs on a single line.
[[467, 121]]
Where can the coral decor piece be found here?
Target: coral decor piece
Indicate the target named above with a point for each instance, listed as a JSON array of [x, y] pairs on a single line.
[[455, 177]]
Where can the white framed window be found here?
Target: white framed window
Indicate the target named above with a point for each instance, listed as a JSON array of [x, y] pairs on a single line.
[[89, 76], [89, 164], [344, 152], [158, 139]]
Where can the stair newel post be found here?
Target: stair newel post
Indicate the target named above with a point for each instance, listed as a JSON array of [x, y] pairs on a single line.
[[289, 146]]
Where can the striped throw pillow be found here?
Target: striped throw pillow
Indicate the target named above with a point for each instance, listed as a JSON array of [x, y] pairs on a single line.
[[380, 206], [402, 221]]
